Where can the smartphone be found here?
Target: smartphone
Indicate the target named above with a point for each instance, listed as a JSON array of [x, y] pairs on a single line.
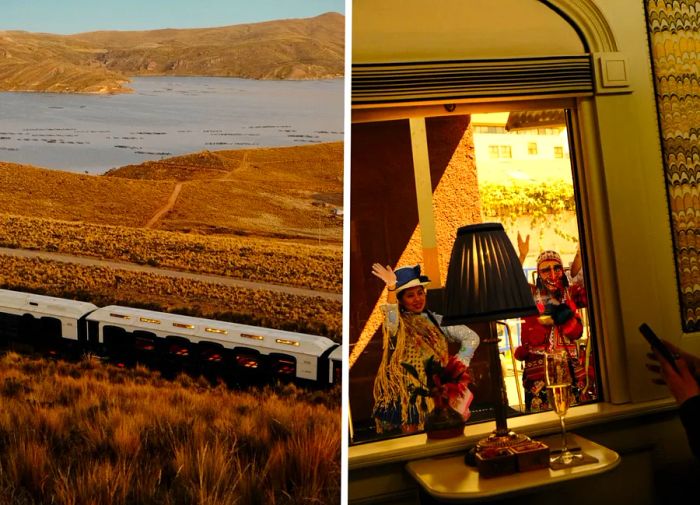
[[657, 344]]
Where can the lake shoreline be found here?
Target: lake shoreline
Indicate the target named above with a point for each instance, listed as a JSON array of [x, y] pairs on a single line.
[[166, 117]]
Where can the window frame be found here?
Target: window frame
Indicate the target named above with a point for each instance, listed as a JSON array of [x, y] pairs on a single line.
[[420, 113], [631, 270], [602, 272]]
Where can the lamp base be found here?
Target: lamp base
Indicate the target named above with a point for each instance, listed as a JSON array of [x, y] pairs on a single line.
[[498, 440]]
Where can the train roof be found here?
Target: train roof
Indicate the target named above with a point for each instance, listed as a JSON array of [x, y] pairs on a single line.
[[50, 305], [337, 354], [212, 330]]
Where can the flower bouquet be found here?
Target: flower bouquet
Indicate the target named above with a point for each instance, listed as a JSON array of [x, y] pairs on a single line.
[[447, 385]]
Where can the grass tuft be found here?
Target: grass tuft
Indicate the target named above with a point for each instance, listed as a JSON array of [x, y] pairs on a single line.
[[86, 432]]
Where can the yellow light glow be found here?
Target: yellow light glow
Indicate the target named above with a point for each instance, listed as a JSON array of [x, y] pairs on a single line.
[[286, 342]]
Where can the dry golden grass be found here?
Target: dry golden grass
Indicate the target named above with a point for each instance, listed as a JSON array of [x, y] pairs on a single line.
[[38, 192], [104, 286], [281, 192], [88, 433], [264, 209], [271, 192], [251, 258], [202, 165]]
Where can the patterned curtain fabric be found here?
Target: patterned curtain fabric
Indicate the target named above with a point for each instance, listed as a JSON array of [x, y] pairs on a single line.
[[674, 39]]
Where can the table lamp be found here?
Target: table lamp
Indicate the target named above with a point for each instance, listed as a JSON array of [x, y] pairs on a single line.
[[485, 283]]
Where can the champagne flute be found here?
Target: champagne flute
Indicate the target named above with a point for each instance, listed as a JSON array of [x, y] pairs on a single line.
[[559, 385]]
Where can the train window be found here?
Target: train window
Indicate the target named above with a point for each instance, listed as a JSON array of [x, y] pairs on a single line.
[[144, 344], [283, 365], [145, 341], [120, 316], [247, 358], [179, 350], [212, 353], [337, 373], [115, 337], [9, 326], [178, 346], [51, 328], [248, 361]]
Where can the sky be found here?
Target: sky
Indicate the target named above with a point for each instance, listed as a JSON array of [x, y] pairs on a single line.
[[76, 16]]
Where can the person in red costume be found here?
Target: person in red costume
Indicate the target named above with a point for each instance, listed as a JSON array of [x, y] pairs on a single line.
[[556, 328]]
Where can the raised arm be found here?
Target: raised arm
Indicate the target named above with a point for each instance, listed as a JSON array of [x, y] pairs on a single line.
[[576, 264], [386, 273], [523, 247], [390, 310]]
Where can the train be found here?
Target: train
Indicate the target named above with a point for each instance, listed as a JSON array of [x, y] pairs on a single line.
[[128, 335]]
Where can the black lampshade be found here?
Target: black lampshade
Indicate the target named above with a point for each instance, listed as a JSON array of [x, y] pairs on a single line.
[[485, 280]]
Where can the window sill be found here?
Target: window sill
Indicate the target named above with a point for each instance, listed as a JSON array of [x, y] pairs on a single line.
[[402, 449]]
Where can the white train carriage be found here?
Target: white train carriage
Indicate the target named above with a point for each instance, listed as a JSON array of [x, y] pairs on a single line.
[[335, 369], [43, 320], [131, 331]]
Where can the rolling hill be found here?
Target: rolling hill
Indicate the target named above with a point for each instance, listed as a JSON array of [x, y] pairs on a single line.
[[102, 62], [289, 192]]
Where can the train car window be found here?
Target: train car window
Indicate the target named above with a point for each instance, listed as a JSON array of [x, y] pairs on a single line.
[[178, 346], [283, 365], [145, 341], [115, 337], [210, 352], [28, 328], [245, 358], [9, 326], [51, 328]]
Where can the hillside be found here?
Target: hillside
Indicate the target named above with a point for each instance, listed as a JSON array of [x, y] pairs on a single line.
[[287, 192], [260, 215], [290, 191], [53, 63], [102, 62], [39, 192]]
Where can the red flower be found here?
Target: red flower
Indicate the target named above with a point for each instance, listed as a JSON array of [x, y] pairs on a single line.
[[449, 381], [445, 382]]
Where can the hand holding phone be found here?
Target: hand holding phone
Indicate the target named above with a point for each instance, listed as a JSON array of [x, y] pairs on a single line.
[[658, 345]]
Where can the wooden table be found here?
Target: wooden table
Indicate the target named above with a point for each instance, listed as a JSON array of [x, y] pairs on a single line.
[[449, 479]]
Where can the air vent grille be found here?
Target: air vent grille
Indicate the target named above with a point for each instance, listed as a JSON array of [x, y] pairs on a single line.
[[378, 83]]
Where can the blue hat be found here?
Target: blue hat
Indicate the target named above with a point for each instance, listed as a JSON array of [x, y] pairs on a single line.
[[409, 277]]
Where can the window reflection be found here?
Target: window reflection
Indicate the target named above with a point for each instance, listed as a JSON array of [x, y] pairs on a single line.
[[503, 167]]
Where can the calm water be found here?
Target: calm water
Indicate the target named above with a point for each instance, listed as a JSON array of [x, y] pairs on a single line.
[[164, 117]]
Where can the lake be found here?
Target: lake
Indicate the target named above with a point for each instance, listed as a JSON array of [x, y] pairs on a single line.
[[165, 117]]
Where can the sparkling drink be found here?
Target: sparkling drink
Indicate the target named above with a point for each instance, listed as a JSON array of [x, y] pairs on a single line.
[[559, 397], [559, 392]]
